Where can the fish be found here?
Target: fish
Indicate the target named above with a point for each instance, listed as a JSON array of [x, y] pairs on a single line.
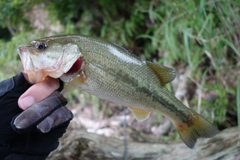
[[109, 71]]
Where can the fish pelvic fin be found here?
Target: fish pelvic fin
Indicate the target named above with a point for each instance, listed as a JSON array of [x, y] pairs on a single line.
[[196, 127], [139, 114], [165, 74]]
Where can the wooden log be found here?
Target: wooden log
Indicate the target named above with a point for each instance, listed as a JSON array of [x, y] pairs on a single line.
[[77, 144]]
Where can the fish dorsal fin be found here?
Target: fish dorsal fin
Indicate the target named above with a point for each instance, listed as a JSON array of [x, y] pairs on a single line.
[[139, 114], [164, 74]]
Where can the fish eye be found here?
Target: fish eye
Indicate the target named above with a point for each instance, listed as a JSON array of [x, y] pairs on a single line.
[[41, 46]]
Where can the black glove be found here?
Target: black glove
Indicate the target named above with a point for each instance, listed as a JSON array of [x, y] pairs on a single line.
[[31, 134]]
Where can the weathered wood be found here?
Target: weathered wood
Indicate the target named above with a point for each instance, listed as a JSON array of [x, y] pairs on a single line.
[[79, 144]]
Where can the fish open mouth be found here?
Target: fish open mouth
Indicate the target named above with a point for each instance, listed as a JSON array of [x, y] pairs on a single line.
[[75, 67], [73, 71]]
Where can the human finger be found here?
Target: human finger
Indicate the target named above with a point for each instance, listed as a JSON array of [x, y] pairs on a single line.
[[43, 115], [38, 92], [58, 117]]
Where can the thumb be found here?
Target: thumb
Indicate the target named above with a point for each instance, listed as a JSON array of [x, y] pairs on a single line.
[[38, 92]]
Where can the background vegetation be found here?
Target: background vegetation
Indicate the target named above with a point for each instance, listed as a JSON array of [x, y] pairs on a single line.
[[201, 39]]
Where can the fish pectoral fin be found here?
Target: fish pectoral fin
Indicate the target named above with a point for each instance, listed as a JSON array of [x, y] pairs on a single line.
[[164, 74], [139, 114], [72, 85]]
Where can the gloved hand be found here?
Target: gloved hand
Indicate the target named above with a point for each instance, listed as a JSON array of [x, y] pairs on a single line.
[[44, 115], [31, 134]]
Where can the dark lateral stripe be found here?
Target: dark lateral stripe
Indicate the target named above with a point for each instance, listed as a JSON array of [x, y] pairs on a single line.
[[129, 80], [164, 103]]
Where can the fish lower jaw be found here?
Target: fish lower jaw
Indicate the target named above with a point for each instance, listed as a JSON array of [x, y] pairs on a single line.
[[35, 77]]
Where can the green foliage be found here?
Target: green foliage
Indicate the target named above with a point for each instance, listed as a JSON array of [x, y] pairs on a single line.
[[219, 104], [12, 13], [9, 59]]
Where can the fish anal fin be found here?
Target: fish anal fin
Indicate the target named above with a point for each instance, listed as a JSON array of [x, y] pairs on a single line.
[[197, 127], [139, 114], [164, 74]]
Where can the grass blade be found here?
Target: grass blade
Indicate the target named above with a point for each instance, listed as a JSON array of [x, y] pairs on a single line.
[[238, 103], [186, 44]]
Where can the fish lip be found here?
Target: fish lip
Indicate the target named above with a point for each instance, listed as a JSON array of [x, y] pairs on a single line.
[[21, 51]]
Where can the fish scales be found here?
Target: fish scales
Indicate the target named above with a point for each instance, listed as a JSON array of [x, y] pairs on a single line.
[[110, 72], [135, 82]]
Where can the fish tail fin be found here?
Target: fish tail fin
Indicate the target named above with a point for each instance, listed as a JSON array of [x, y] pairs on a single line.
[[196, 127]]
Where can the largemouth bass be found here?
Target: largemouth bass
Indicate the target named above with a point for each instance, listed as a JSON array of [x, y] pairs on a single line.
[[110, 72]]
